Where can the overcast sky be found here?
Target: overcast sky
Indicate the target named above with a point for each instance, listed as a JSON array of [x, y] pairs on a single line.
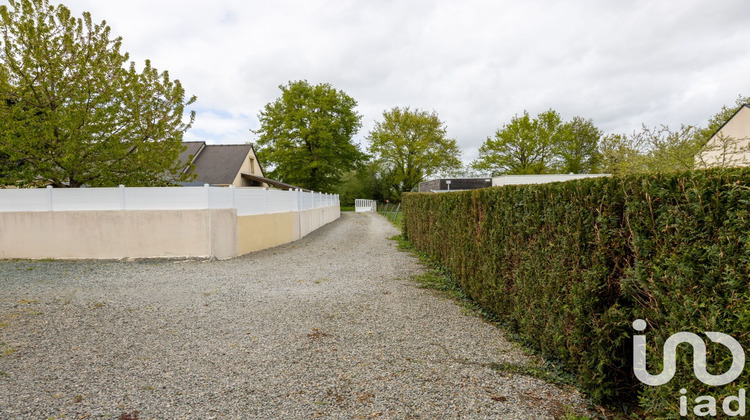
[[476, 63]]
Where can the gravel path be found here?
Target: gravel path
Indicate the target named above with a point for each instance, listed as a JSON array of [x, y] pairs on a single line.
[[326, 327]]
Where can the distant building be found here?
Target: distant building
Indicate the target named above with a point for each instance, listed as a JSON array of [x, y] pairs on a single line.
[[501, 180], [221, 164], [454, 184], [730, 145]]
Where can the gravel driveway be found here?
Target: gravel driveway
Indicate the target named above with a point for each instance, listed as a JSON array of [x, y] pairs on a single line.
[[327, 327]]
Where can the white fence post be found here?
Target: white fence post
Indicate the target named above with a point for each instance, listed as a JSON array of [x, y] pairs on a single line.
[[208, 195], [122, 197], [49, 197], [234, 196]]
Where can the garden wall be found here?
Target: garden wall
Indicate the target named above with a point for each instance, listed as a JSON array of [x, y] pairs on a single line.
[[118, 234], [215, 233], [124, 222]]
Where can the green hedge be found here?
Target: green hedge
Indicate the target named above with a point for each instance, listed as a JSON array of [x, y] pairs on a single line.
[[569, 266]]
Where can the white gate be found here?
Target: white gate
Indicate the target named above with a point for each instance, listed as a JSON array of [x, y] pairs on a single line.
[[365, 205]]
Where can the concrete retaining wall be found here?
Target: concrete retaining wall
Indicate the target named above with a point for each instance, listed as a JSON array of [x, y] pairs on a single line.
[[268, 230], [217, 233], [264, 231], [310, 220]]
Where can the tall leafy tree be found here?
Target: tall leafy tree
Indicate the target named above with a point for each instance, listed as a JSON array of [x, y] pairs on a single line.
[[72, 113], [657, 149], [368, 181], [577, 149], [7, 170], [306, 135], [412, 145], [621, 154], [523, 146], [670, 150]]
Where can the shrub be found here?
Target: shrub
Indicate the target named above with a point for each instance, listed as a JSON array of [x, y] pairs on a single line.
[[568, 266]]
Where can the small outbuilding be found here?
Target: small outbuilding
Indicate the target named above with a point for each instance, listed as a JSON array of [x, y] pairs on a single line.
[[501, 180], [454, 184]]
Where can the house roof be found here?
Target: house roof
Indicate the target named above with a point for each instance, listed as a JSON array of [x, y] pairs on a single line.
[[216, 164], [271, 182], [193, 149]]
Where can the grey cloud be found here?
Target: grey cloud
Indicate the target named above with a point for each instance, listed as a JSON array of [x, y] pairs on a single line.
[[477, 63]]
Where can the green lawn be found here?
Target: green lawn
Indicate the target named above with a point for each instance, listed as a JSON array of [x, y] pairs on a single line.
[[393, 216]]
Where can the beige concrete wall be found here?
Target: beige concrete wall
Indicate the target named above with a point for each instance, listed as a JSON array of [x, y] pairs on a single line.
[[731, 145], [268, 230], [154, 233], [264, 231], [223, 233], [118, 234], [308, 221]]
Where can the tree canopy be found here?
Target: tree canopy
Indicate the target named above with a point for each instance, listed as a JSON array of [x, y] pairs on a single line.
[[73, 114], [410, 146], [367, 181], [576, 151], [653, 149], [621, 154], [661, 149], [306, 135], [541, 145]]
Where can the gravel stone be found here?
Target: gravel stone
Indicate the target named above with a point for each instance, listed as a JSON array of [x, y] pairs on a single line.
[[330, 326]]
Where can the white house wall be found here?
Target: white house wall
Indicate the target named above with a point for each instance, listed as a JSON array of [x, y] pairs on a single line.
[[734, 152]]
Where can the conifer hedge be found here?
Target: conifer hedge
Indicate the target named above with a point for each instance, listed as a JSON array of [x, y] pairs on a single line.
[[569, 266]]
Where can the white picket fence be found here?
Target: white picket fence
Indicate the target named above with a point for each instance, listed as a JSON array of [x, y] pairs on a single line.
[[247, 201], [361, 205]]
